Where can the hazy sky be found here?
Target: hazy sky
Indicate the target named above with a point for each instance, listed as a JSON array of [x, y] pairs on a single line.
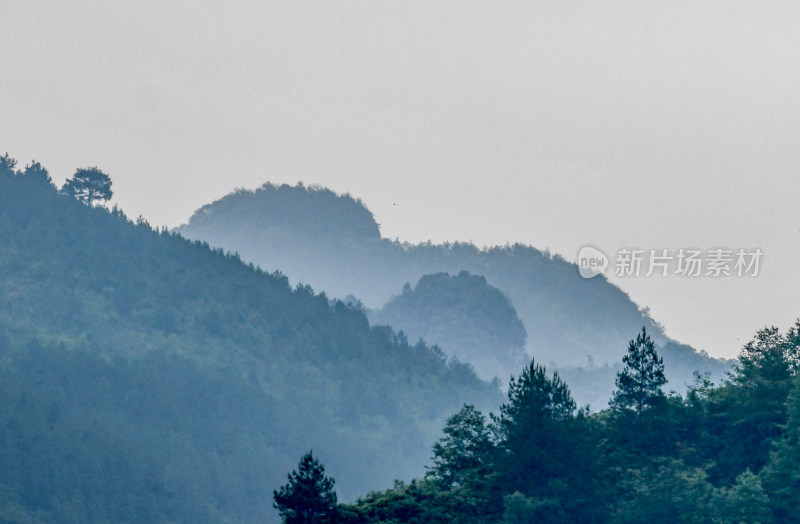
[[621, 124]]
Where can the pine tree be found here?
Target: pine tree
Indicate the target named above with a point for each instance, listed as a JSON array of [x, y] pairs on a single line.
[[464, 454], [534, 433], [7, 165], [35, 171], [308, 498], [639, 383], [534, 397], [781, 475], [89, 185], [750, 411]]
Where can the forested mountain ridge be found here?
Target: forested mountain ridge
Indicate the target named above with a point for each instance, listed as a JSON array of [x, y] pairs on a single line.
[[580, 326], [145, 377]]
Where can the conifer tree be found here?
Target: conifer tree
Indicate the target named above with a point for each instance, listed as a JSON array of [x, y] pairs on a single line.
[[308, 497], [7, 165], [89, 185], [533, 432], [464, 454], [781, 475], [639, 383]]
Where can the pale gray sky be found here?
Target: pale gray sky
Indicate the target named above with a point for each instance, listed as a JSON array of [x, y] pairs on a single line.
[[639, 124]]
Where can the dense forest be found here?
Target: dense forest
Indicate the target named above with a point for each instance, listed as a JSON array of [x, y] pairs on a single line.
[[333, 243], [148, 378], [724, 454]]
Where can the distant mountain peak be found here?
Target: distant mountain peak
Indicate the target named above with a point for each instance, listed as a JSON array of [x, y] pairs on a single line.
[[464, 315], [315, 211]]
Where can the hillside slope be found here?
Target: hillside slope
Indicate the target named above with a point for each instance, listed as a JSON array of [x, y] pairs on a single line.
[[146, 378]]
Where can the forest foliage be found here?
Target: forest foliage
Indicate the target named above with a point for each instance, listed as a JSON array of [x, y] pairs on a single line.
[[721, 454], [148, 378]]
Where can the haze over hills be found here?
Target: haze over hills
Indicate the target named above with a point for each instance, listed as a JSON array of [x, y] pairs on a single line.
[[332, 242], [474, 321], [147, 378]]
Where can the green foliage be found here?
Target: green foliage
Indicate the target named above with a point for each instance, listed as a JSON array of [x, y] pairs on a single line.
[[146, 378], [745, 502], [545, 451], [781, 476], [519, 509], [639, 383], [543, 462], [533, 399], [308, 497], [420, 502], [91, 439], [89, 185], [464, 455], [464, 464], [176, 379], [529, 429], [666, 490], [749, 412]]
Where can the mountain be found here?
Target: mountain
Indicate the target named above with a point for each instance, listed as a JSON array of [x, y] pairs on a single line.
[[148, 378], [575, 324], [466, 317]]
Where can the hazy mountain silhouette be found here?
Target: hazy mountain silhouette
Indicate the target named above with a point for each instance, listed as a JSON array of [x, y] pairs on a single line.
[[466, 317], [571, 322]]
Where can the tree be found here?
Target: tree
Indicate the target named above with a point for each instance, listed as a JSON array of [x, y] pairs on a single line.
[[519, 509], [781, 475], [89, 185], [534, 398], [748, 413], [639, 383], [746, 501], [534, 433], [464, 454], [664, 490], [463, 466], [771, 359], [547, 452], [308, 498], [35, 171], [7, 164]]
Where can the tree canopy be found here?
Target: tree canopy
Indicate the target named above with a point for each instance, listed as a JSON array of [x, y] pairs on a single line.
[[703, 458], [639, 383], [89, 185], [308, 497], [148, 378]]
